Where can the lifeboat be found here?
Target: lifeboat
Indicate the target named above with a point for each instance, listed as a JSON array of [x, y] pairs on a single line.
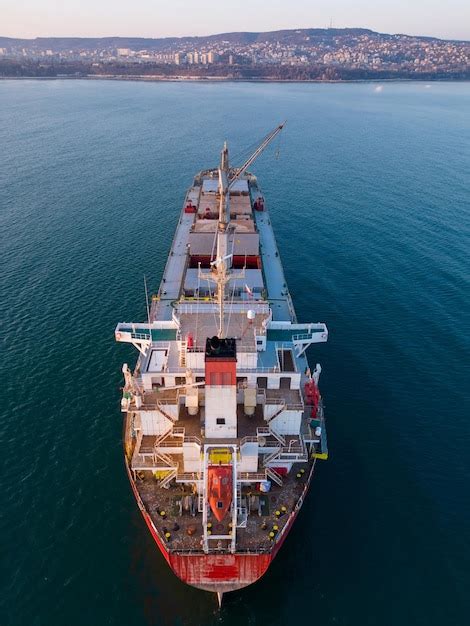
[[220, 489]]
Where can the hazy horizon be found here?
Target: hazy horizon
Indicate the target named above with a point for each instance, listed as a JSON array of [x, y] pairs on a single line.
[[183, 18], [214, 34]]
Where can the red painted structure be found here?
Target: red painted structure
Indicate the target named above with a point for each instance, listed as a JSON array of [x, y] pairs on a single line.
[[312, 396], [220, 488], [220, 362], [259, 204]]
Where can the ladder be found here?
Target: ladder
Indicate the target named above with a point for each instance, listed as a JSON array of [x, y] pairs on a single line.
[[274, 476], [267, 431], [276, 435], [163, 412], [273, 456], [160, 456], [282, 407], [165, 482], [184, 346], [162, 437]]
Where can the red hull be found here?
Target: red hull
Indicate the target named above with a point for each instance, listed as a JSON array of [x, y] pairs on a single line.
[[219, 573]]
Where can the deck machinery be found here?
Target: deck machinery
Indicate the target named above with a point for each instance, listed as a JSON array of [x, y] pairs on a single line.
[[223, 419]]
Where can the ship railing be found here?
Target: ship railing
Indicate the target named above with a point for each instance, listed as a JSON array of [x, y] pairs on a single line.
[[188, 477], [267, 321], [157, 406], [193, 439], [291, 307], [246, 345], [251, 476], [193, 551], [199, 306], [195, 349], [141, 336], [278, 396], [248, 439], [287, 453], [161, 345], [302, 337], [148, 461], [295, 451], [298, 504], [286, 404], [269, 370]]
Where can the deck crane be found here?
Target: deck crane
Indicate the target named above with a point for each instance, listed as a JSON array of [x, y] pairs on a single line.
[[220, 268]]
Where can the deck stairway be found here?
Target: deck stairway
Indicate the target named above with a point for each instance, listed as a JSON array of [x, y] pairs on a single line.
[[268, 431], [274, 476], [158, 455], [165, 413], [282, 407], [287, 453], [165, 482]]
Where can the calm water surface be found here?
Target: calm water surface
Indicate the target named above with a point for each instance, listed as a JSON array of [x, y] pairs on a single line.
[[370, 201]]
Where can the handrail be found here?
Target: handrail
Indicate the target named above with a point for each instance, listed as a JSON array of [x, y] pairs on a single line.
[[251, 476], [192, 439], [248, 439]]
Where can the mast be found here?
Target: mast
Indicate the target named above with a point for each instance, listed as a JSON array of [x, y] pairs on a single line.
[[221, 265], [220, 268]]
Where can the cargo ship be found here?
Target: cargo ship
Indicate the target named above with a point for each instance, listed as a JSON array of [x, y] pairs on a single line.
[[223, 418]]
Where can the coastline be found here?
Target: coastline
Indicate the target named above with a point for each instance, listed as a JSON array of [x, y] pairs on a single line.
[[223, 79]]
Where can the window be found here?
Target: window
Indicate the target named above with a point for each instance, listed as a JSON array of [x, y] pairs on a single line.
[[220, 504], [180, 380], [262, 382], [220, 421]]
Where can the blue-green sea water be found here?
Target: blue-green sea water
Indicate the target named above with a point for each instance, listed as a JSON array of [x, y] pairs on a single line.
[[369, 192]]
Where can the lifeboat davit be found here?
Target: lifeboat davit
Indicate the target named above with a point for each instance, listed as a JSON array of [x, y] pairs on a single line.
[[220, 485]]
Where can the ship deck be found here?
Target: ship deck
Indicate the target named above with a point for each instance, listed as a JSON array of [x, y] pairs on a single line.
[[273, 271], [186, 529]]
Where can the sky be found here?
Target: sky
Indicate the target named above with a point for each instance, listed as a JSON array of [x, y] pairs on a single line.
[[167, 18]]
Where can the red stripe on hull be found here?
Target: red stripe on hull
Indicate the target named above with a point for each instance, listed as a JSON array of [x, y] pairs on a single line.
[[219, 573]]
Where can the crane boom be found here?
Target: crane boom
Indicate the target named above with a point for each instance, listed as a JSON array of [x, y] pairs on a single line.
[[263, 145]]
